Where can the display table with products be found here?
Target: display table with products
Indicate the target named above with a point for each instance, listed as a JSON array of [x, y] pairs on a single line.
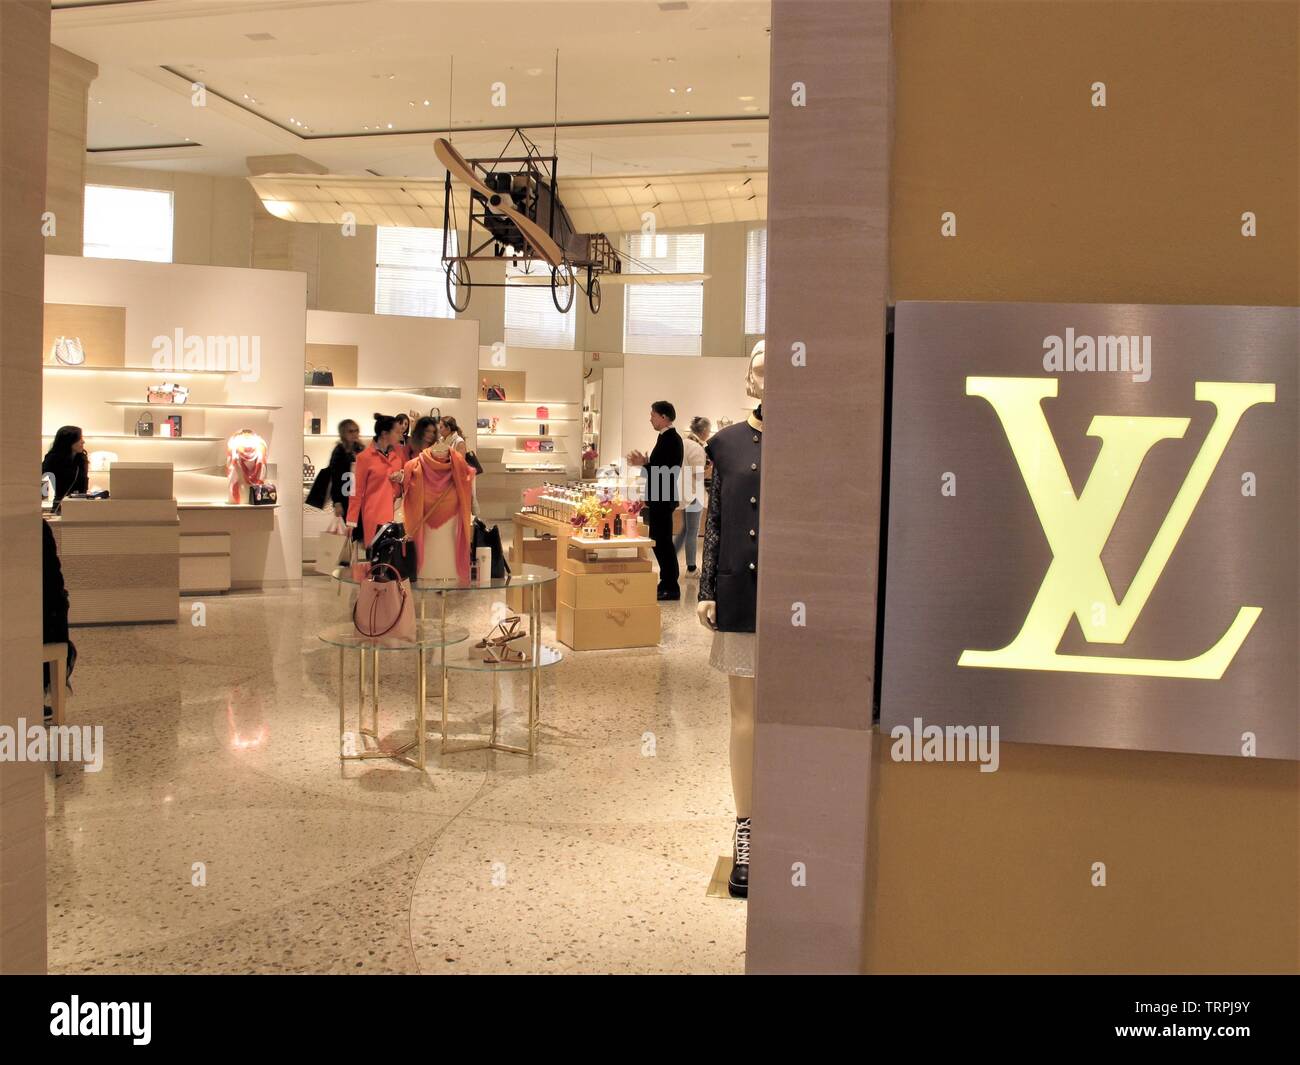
[[607, 594], [529, 581], [353, 746]]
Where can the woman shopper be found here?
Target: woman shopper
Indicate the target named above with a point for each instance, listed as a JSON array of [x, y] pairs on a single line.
[[330, 489], [425, 434], [402, 437], [694, 463], [377, 482], [67, 463]]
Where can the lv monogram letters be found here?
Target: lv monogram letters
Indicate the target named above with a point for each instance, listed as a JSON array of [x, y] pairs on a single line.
[[1077, 528]]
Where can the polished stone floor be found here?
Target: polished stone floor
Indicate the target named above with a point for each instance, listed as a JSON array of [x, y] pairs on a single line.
[[223, 835]]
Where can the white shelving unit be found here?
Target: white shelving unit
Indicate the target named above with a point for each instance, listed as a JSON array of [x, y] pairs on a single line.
[[75, 395]]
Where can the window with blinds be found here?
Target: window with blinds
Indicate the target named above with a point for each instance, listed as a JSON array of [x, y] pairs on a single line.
[[531, 318], [756, 282], [123, 223], [664, 319], [410, 277]]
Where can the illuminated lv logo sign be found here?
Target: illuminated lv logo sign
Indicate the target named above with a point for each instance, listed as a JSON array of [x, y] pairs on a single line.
[[1077, 528]]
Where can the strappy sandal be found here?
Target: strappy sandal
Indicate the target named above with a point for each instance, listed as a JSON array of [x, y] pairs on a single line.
[[503, 631], [497, 642]]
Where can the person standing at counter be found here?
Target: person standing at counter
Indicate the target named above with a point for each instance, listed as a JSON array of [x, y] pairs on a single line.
[[377, 482], [67, 462], [663, 469]]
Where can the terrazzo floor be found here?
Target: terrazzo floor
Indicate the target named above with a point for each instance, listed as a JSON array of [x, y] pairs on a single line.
[[224, 836]]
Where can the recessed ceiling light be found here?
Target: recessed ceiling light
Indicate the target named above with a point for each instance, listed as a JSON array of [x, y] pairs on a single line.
[[426, 103], [390, 125], [672, 59], [245, 96], [259, 36], [751, 107], [672, 90], [410, 103], [365, 127], [689, 89], [744, 99]]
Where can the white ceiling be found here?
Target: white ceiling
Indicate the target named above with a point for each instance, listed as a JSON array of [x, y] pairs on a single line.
[[335, 67]]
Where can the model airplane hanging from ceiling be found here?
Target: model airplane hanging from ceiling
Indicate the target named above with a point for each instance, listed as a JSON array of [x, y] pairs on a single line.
[[508, 208]]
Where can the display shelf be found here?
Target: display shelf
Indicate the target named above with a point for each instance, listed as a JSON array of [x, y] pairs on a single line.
[[187, 405], [150, 439], [423, 391], [143, 371], [527, 402]]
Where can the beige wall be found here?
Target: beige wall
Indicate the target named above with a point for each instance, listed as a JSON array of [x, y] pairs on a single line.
[[1058, 201], [69, 80], [24, 77]]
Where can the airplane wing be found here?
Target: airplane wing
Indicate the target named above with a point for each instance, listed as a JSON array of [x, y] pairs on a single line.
[[594, 204]]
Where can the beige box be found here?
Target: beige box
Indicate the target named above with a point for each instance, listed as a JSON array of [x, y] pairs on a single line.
[[608, 627], [205, 563], [140, 480], [591, 591]]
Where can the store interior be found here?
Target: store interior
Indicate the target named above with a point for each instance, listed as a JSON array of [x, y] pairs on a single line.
[[282, 790]]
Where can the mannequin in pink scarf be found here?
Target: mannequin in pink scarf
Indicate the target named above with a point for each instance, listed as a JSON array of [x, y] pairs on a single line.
[[438, 486]]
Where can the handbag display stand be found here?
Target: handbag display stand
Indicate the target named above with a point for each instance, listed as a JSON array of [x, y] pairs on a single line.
[[366, 741], [455, 654]]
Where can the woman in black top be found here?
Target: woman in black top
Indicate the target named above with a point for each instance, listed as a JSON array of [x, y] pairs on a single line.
[[327, 489], [67, 462]]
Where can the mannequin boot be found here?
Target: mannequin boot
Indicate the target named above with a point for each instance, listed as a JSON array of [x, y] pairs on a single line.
[[738, 882]]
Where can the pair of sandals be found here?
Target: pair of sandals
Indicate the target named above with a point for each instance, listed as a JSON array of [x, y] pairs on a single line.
[[497, 642]]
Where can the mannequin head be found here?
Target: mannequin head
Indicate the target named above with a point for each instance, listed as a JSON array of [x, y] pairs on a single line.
[[754, 380]]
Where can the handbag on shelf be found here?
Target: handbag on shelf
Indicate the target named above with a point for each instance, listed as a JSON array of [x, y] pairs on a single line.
[[546, 447], [262, 495], [435, 413], [167, 393], [321, 377], [67, 351], [482, 536], [144, 424], [532, 445], [391, 547], [472, 460], [494, 392], [543, 413], [384, 606], [170, 426], [308, 470]]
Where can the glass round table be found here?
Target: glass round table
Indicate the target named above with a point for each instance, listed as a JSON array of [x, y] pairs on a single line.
[[435, 634]]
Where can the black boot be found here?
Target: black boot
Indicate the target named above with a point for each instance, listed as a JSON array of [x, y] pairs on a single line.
[[738, 883]]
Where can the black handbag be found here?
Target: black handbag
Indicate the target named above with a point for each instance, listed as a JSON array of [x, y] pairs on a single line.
[[321, 378], [472, 460], [392, 547], [491, 539], [262, 495]]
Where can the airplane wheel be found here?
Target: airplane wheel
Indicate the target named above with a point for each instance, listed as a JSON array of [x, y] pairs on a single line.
[[563, 283], [593, 295], [458, 285]]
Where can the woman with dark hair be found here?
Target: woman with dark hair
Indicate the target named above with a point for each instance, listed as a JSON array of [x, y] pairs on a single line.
[[376, 482], [425, 434], [328, 488], [450, 434], [67, 462], [402, 437]]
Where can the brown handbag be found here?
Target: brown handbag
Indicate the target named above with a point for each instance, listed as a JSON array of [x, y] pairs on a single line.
[[384, 606]]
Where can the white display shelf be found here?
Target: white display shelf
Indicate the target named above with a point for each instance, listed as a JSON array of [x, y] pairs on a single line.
[[187, 405], [143, 371], [535, 469], [433, 391], [527, 402], [599, 542], [150, 439]]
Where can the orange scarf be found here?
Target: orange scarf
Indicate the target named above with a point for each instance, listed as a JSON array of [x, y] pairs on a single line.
[[437, 488]]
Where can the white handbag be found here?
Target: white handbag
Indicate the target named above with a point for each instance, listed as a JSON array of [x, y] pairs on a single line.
[[67, 351]]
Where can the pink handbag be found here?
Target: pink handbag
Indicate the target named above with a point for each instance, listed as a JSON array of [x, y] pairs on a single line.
[[385, 606]]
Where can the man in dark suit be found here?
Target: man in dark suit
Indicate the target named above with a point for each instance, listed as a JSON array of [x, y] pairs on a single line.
[[663, 470]]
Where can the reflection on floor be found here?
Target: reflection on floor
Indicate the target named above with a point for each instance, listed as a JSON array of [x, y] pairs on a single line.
[[222, 835]]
